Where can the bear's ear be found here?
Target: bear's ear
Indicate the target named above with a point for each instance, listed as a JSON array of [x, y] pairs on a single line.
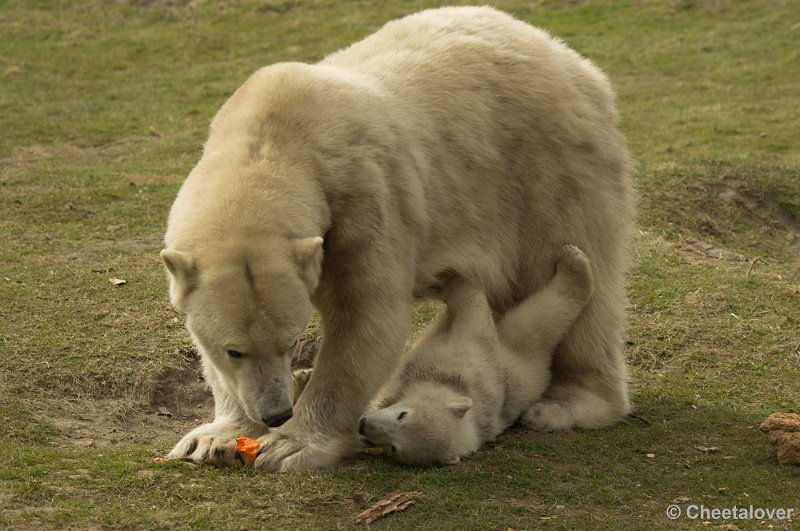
[[459, 406], [183, 273], [179, 263], [308, 256]]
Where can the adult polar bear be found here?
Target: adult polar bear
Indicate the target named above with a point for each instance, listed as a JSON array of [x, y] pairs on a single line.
[[455, 141]]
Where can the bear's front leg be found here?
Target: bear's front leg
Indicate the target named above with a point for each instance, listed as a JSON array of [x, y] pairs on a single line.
[[353, 363]]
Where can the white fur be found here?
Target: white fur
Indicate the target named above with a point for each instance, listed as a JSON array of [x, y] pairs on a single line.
[[456, 141], [467, 380]]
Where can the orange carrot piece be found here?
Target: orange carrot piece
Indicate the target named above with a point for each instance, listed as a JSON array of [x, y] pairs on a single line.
[[248, 449]]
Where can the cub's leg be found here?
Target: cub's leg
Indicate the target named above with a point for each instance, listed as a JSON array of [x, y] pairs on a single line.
[[542, 320], [469, 314], [300, 379]]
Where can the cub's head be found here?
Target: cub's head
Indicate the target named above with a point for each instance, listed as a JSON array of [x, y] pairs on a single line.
[[246, 311], [429, 425]]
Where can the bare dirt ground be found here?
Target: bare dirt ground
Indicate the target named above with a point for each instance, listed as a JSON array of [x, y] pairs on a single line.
[[178, 401]]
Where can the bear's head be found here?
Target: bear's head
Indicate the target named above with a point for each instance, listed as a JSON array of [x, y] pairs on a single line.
[[245, 310], [429, 425]]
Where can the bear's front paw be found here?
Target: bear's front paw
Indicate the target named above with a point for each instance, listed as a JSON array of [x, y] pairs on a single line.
[[300, 379], [210, 443], [286, 449]]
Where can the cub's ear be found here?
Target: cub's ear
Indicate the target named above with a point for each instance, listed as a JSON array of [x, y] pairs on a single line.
[[183, 273], [308, 256], [459, 406]]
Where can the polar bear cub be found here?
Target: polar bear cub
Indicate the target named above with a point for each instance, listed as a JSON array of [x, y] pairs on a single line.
[[468, 379]]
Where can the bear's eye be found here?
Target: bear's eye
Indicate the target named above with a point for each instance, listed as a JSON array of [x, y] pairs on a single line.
[[401, 416], [393, 449], [234, 353]]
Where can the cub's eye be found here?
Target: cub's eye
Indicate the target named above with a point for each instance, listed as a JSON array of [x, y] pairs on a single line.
[[401, 416], [234, 353], [393, 449]]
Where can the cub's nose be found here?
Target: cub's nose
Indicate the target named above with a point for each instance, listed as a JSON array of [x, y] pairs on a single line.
[[273, 421], [361, 423]]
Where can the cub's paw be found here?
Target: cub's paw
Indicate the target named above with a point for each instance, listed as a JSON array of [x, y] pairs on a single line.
[[574, 272], [300, 379], [207, 444], [286, 449]]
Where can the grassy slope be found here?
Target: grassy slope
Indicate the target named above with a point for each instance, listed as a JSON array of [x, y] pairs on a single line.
[[103, 111]]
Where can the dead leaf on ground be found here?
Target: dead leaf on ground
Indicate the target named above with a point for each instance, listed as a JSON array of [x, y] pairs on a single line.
[[681, 499], [117, 281], [707, 449], [164, 412], [396, 502]]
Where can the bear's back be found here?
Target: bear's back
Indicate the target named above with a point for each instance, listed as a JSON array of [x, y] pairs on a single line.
[[476, 45]]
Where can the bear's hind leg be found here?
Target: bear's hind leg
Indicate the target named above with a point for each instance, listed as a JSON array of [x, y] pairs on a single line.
[[590, 402], [589, 387]]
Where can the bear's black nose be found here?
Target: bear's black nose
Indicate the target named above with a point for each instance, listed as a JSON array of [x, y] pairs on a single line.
[[276, 420], [361, 422]]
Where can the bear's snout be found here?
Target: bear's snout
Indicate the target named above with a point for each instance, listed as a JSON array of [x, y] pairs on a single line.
[[273, 421]]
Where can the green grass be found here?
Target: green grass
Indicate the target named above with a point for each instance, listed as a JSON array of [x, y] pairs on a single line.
[[103, 111]]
